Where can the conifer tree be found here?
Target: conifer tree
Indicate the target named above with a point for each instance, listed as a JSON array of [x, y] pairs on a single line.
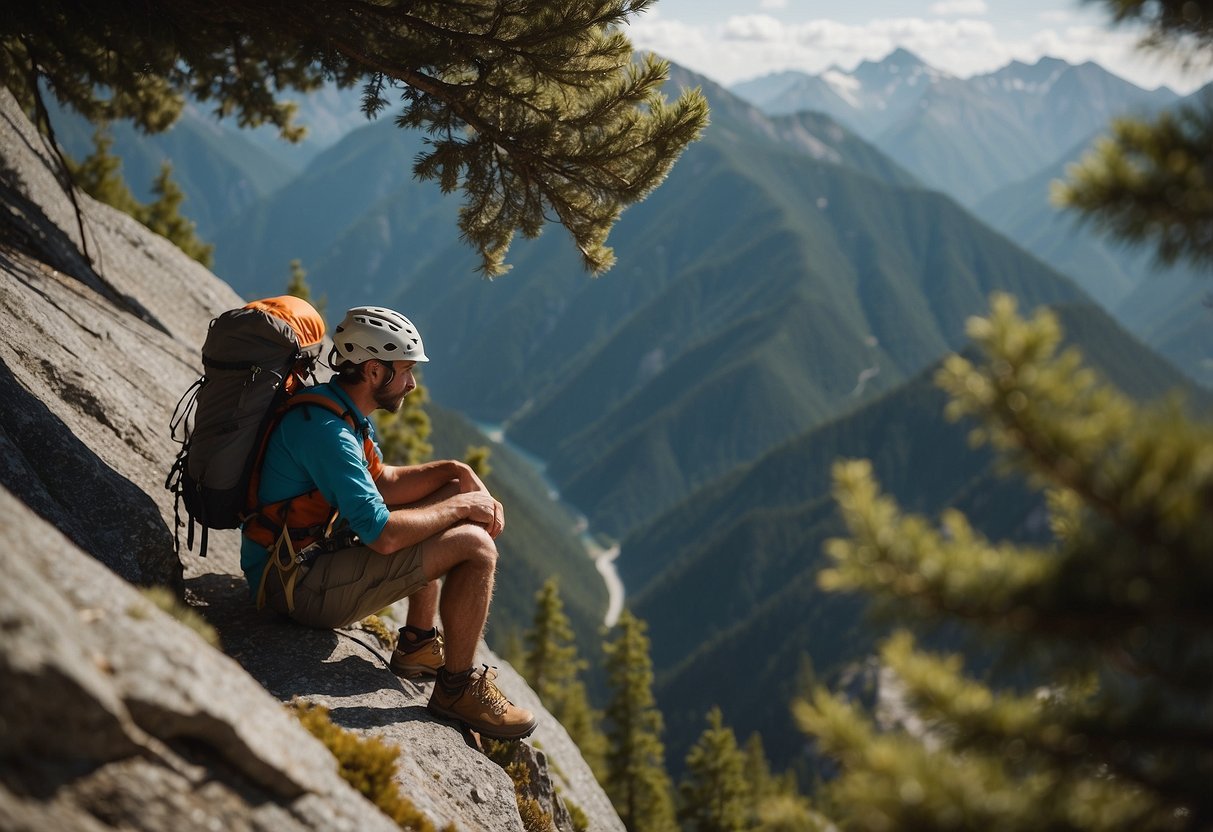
[[1150, 181], [100, 175], [554, 670], [297, 285], [533, 109], [477, 457], [1110, 622], [714, 795], [637, 781], [760, 782], [163, 215]]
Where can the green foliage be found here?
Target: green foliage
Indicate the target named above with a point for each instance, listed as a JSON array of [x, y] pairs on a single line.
[[508, 755], [366, 763], [478, 458], [100, 176], [402, 435], [713, 793], [1110, 619], [163, 215], [636, 781], [532, 109], [581, 821], [790, 813], [1171, 24], [554, 669], [377, 627], [168, 602], [551, 658], [1151, 180], [297, 285]]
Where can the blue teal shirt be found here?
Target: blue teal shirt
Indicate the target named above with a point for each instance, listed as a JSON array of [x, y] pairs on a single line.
[[313, 447]]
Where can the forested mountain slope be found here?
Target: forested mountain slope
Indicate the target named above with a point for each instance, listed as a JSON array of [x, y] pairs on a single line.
[[727, 580]]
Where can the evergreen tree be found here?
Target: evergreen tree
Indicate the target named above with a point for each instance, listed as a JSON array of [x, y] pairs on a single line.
[[163, 215], [477, 456], [760, 782], [533, 109], [402, 435], [714, 794], [297, 285], [553, 669], [1151, 181], [1111, 621], [637, 781], [551, 658], [100, 175]]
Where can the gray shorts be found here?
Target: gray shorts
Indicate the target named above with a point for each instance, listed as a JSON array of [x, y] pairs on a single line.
[[346, 586]]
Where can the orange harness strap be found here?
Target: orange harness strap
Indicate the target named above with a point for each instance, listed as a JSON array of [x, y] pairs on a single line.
[[297, 522]]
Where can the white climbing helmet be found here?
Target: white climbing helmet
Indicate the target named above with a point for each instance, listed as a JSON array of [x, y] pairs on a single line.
[[374, 332]]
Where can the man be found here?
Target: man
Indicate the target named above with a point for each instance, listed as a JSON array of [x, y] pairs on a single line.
[[414, 524]]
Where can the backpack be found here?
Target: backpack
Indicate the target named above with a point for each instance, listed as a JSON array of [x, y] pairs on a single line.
[[253, 359]]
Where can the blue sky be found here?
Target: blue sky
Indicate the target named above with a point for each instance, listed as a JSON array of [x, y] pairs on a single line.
[[734, 40]]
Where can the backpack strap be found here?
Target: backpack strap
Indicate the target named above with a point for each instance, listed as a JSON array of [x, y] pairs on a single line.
[[269, 524]]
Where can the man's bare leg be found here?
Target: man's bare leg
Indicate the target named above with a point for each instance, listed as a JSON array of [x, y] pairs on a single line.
[[468, 557], [423, 606]]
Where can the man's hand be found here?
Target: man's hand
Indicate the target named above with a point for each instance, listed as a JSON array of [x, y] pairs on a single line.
[[482, 509]]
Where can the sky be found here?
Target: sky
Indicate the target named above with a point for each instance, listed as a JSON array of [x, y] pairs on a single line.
[[736, 40]]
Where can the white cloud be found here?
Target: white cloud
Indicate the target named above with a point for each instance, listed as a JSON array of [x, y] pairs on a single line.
[[747, 46], [1056, 16], [947, 8]]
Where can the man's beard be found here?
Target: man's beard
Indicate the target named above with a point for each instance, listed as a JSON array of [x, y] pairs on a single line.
[[387, 402]]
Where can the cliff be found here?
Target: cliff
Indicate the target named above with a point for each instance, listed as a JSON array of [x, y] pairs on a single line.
[[114, 714]]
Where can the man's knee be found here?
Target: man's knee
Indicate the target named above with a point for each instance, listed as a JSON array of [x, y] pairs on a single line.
[[466, 543], [481, 548]]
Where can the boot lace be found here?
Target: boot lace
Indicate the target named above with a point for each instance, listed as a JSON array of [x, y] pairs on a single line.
[[482, 688]]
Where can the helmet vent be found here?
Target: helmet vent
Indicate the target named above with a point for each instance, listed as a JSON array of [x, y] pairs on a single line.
[[389, 347]]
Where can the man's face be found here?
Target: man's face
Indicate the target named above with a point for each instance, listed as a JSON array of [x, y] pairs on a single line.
[[397, 382]]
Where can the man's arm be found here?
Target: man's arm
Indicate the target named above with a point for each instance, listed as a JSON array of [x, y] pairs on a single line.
[[410, 525], [433, 496], [406, 484], [403, 485]]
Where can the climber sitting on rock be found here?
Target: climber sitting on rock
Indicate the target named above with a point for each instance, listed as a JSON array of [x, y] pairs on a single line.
[[400, 528]]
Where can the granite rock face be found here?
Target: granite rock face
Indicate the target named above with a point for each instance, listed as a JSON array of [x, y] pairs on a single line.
[[114, 714]]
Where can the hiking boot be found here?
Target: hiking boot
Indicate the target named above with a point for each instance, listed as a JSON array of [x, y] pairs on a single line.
[[422, 658], [482, 707]]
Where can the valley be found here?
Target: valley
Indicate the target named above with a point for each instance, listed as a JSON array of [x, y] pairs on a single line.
[[781, 301]]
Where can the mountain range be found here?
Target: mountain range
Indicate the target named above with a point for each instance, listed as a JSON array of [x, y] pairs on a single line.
[[996, 142], [780, 300], [967, 137]]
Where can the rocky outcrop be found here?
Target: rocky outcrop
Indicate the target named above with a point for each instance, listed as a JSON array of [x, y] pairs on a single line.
[[115, 715]]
